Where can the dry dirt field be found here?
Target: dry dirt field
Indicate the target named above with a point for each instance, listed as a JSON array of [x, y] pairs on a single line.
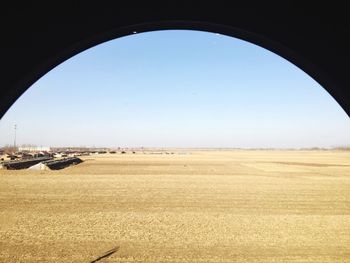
[[204, 206]]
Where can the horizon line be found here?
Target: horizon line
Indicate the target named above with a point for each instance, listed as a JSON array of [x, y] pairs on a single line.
[[184, 148]]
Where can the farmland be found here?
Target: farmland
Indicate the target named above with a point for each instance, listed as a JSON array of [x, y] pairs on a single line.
[[190, 206]]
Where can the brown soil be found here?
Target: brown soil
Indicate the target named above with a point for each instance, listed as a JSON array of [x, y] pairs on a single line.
[[206, 206]]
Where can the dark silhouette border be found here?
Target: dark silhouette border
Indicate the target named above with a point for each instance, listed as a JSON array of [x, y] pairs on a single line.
[[36, 37]]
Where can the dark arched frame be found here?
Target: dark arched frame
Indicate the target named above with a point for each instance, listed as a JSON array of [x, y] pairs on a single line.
[[36, 42]]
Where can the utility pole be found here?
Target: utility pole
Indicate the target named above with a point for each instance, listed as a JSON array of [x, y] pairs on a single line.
[[14, 142]]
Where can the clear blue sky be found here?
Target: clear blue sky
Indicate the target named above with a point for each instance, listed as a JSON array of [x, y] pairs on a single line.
[[177, 89]]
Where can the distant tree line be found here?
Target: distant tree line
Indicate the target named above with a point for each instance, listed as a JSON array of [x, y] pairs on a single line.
[[8, 149]]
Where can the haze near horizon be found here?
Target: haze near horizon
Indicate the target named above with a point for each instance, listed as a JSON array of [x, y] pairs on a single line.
[[177, 88]]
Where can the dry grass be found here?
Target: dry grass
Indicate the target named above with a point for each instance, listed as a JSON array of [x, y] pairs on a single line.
[[213, 206]]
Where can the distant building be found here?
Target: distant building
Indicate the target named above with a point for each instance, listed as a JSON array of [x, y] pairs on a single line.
[[34, 149]]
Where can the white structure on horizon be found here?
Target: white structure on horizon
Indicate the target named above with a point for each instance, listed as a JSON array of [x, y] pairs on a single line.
[[34, 149]]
